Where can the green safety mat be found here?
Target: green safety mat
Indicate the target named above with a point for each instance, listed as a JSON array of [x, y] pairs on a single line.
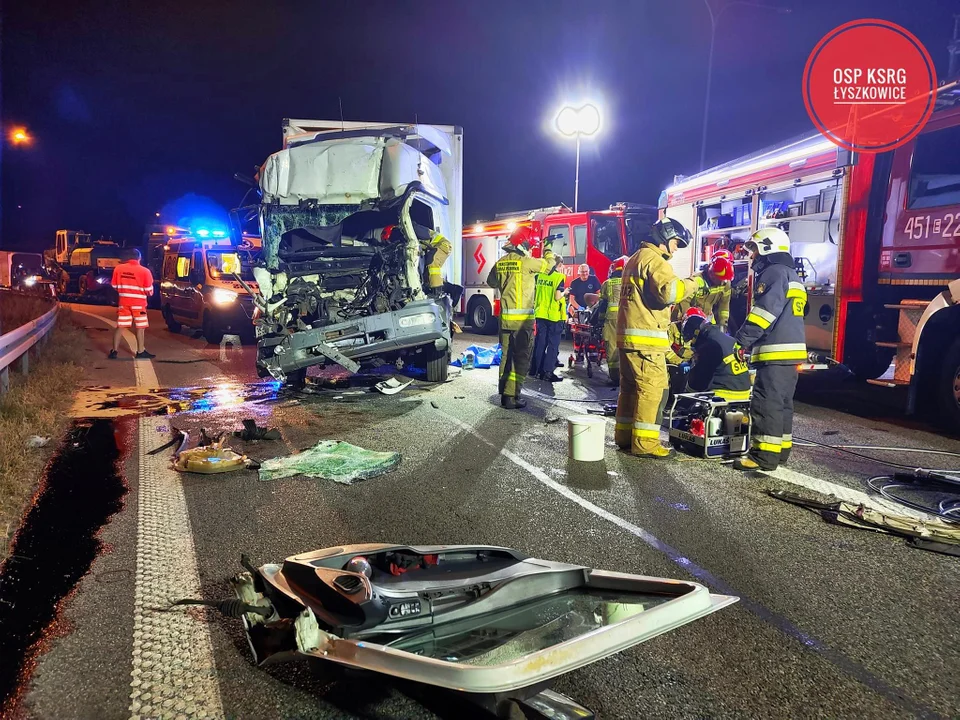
[[331, 460]]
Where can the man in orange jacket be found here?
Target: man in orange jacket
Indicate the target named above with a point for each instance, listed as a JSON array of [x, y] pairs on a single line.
[[134, 284]]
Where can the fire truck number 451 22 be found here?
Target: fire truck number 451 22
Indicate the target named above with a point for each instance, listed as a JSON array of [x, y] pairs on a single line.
[[922, 225]]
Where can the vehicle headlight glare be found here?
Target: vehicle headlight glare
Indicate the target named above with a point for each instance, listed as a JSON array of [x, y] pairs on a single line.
[[221, 296]]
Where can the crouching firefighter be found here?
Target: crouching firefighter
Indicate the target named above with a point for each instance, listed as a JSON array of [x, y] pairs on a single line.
[[608, 310], [649, 288], [514, 277], [716, 367], [774, 337]]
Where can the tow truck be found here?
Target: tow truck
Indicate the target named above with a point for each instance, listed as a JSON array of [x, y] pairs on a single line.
[[596, 237], [876, 241]]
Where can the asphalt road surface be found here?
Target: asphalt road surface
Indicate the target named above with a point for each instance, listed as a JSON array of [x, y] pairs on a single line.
[[832, 621]]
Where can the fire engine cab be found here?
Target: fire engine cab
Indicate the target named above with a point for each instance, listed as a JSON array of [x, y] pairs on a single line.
[[876, 241], [596, 237]]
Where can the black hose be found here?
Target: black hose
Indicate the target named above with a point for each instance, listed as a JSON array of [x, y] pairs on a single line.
[[918, 471], [888, 484], [231, 607]]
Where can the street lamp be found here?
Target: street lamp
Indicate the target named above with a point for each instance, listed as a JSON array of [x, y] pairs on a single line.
[[714, 19], [576, 122], [20, 136]]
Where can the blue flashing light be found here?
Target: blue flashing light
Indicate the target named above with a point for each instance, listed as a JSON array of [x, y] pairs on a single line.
[[203, 232], [219, 233]]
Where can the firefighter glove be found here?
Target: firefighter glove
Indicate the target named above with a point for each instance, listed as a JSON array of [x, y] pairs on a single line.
[[740, 353]]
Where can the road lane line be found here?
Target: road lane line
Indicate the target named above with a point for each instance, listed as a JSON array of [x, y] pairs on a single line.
[[173, 670], [847, 494], [143, 370], [891, 693]]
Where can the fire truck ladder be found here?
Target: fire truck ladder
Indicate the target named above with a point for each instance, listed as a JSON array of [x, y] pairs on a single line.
[[910, 312]]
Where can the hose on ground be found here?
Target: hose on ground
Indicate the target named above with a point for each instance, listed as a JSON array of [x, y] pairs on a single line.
[[937, 473], [945, 509]]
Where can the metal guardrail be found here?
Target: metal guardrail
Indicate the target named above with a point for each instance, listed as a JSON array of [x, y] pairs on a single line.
[[16, 344]]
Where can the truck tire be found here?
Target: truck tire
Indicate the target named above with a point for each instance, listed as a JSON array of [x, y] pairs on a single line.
[[83, 284], [948, 388], [212, 332], [172, 325], [481, 316], [438, 368]]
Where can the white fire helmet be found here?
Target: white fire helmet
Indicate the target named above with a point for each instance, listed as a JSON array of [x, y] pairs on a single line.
[[768, 241]]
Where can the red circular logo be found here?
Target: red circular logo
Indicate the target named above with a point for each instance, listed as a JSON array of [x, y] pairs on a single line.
[[869, 85]]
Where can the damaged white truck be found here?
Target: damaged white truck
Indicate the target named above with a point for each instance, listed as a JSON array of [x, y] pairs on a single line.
[[346, 215]]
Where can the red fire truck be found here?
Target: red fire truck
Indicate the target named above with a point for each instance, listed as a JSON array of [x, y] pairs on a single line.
[[876, 239], [596, 237]]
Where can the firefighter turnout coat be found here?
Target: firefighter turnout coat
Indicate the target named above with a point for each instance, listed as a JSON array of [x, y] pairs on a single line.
[[774, 334], [610, 295], [648, 290], [716, 366], [514, 276]]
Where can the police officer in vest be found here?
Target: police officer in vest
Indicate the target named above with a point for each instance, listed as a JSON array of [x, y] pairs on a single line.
[[716, 367], [608, 310], [773, 335], [550, 309], [649, 289], [514, 277]]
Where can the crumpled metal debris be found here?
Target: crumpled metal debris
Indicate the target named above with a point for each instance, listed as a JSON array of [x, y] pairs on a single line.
[[331, 460], [391, 386]]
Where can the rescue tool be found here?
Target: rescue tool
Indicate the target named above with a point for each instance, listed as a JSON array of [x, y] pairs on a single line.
[[487, 622]]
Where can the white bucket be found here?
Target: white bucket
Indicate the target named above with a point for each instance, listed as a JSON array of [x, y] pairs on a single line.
[[586, 437]]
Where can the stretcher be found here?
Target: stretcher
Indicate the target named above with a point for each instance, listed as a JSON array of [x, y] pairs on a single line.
[[588, 346], [708, 426], [487, 623]]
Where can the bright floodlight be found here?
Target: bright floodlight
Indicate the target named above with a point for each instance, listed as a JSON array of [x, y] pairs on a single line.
[[583, 120]]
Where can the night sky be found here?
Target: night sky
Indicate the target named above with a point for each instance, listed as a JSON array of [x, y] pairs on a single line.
[[136, 104]]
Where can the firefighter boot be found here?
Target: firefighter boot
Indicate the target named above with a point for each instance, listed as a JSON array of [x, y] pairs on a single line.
[[509, 402], [746, 463], [656, 453]]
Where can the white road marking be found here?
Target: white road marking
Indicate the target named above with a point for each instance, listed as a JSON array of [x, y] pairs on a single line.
[[173, 673], [841, 492], [143, 369]]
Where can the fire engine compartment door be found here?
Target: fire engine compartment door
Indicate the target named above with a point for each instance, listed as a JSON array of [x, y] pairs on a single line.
[[534, 639]]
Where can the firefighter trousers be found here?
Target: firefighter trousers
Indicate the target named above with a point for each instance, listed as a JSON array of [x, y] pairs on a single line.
[[516, 347], [771, 414], [610, 347], [441, 251], [643, 395]]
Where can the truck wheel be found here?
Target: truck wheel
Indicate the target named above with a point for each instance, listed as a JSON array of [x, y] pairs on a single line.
[[948, 388], [82, 285], [212, 332], [297, 379], [438, 368], [481, 316], [172, 325]]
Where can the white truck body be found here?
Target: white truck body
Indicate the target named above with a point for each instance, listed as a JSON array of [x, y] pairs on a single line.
[[343, 172]]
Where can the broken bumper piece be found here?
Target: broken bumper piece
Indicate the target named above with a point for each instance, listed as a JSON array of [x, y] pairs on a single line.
[[418, 324], [474, 619]]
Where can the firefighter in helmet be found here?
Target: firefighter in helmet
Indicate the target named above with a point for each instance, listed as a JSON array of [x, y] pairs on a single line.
[[773, 335], [649, 289], [608, 310], [514, 277], [715, 299], [716, 367], [434, 246]]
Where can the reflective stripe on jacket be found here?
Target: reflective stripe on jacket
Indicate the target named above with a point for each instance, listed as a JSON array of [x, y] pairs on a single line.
[[133, 283], [514, 276], [610, 291], [649, 288], [716, 366], [546, 305], [774, 330]]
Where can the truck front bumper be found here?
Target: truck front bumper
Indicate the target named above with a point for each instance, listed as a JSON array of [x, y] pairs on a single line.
[[420, 323]]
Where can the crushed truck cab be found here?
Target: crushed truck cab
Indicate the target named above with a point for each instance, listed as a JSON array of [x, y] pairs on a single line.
[[348, 218]]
